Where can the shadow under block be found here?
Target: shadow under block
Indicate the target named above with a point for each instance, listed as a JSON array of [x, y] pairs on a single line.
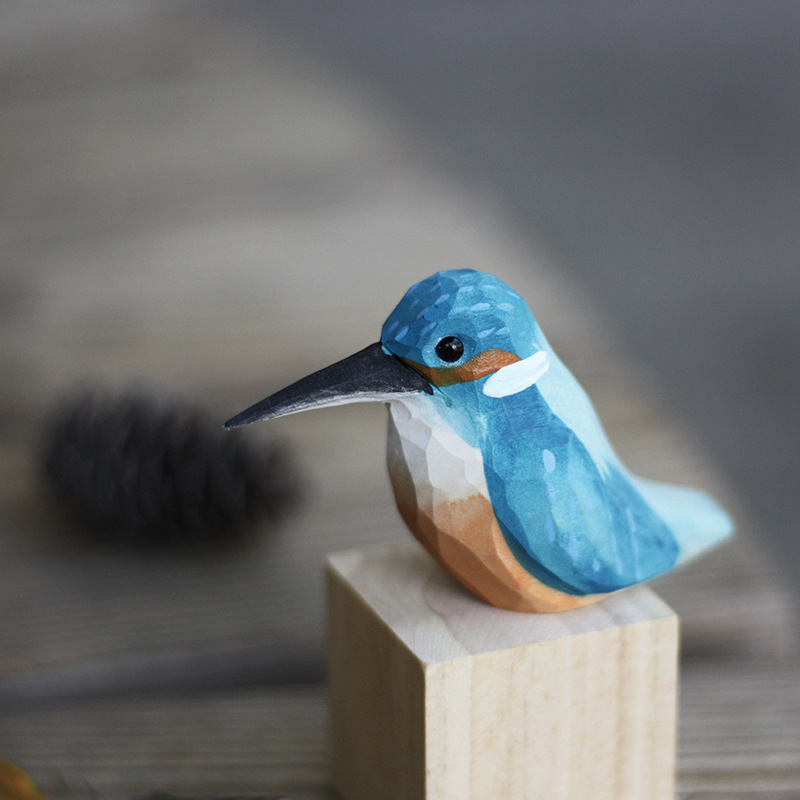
[[437, 695]]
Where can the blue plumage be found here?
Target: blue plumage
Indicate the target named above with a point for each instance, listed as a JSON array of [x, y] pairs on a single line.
[[570, 512]]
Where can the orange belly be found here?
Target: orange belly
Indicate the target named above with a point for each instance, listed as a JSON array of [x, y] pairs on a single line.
[[464, 536]]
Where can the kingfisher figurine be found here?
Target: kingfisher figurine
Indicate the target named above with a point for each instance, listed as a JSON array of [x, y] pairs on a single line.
[[499, 464]]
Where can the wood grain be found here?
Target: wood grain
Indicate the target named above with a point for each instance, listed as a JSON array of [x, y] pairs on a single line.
[[738, 737], [436, 695]]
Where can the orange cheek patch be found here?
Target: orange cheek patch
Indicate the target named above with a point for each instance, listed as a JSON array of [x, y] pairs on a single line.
[[479, 365]]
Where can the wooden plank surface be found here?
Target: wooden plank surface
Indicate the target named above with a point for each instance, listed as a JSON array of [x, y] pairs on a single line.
[[739, 737], [740, 731], [188, 209], [253, 743]]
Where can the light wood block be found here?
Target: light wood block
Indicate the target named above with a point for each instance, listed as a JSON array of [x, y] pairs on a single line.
[[437, 695]]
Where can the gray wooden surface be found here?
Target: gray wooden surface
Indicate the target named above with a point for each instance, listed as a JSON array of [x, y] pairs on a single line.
[[187, 211]]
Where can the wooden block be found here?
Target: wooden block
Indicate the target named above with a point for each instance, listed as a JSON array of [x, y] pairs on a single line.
[[437, 695]]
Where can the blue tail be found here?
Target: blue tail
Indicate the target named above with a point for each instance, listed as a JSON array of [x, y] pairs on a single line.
[[696, 520]]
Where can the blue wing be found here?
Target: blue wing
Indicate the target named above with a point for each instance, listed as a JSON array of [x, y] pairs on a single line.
[[577, 525]]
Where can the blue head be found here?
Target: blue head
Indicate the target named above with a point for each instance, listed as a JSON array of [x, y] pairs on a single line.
[[476, 308], [448, 338], [461, 326]]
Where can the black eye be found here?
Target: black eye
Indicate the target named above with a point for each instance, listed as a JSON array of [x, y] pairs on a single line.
[[450, 349]]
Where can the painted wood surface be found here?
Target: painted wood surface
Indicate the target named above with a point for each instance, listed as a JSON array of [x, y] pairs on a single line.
[[173, 194]]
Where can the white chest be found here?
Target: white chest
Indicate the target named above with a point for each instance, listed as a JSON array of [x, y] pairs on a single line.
[[441, 465]]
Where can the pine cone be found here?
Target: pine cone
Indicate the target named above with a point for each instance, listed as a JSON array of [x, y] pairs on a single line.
[[150, 473]]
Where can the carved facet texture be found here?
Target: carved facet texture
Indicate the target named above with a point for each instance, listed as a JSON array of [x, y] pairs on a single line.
[[504, 471], [442, 496]]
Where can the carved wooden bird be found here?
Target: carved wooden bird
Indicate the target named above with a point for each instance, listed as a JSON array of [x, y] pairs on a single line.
[[497, 459]]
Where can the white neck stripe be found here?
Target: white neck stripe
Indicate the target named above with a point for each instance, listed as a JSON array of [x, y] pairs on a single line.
[[515, 377]]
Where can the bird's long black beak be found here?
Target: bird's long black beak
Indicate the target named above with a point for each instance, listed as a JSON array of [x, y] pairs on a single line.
[[370, 374]]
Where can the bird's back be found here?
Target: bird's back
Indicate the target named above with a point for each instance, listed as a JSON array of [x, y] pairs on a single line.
[[578, 524]]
